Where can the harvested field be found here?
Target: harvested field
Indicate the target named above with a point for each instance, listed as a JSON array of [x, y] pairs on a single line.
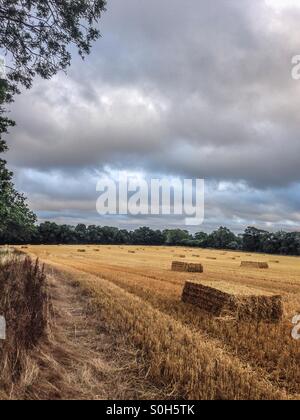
[[254, 264], [187, 351], [187, 267], [239, 302]]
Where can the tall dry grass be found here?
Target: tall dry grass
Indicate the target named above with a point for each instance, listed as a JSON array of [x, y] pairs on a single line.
[[24, 304]]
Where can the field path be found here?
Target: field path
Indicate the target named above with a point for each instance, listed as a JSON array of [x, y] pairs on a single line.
[[82, 360]]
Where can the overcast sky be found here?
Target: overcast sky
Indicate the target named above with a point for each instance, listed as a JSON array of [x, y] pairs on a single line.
[[194, 89]]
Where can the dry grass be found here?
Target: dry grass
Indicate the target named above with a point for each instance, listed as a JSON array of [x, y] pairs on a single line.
[[183, 363], [66, 353], [83, 359], [192, 351], [24, 304]]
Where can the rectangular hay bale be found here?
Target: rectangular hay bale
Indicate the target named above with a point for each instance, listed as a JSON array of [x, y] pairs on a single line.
[[239, 302], [195, 268], [181, 266], [255, 264]]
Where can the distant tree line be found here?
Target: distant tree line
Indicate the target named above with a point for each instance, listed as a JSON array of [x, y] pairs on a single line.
[[252, 240]]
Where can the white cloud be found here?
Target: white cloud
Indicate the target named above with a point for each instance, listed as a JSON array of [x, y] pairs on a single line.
[[280, 5]]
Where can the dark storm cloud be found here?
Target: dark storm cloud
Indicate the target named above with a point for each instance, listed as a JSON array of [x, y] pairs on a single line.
[[200, 89]]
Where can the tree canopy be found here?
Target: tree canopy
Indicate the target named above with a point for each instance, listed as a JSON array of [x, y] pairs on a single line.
[[36, 35]]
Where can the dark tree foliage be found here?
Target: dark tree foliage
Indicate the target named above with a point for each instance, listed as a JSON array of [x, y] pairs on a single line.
[[5, 122], [36, 35], [145, 236], [222, 238], [254, 239], [16, 220], [177, 236]]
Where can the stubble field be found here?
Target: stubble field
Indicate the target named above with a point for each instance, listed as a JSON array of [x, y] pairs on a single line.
[[187, 352]]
